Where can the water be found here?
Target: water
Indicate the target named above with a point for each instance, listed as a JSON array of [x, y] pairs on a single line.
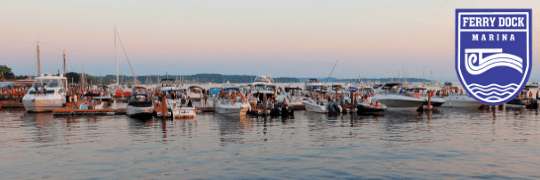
[[448, 143]]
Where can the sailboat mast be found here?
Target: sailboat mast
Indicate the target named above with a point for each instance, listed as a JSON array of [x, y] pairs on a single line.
[[65, 71], [83, 79], [116, 54], [38, 63]]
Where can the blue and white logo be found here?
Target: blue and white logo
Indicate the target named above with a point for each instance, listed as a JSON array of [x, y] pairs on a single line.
[[493, 52]]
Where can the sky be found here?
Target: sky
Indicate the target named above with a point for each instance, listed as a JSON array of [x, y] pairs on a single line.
[[374, 39]]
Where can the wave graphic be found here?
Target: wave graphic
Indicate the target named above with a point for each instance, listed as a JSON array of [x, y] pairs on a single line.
[[489, 62], [492, 92]]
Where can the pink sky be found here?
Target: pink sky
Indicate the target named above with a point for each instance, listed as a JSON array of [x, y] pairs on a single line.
[[282, 38]]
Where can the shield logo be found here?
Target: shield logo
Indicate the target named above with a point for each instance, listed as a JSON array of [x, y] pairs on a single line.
[[493, 52]]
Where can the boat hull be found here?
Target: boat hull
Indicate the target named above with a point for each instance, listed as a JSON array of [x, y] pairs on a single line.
[[314, 107], [362, 108], [38, 104], [401, 103], [461, 101], [140, 112], [184, 112], [232, 109]]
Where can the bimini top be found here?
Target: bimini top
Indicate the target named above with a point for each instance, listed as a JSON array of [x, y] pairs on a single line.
[[264, 79], [231, 88], [196, 87]]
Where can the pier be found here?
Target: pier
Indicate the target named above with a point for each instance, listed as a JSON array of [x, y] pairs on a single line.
[[82, 112]]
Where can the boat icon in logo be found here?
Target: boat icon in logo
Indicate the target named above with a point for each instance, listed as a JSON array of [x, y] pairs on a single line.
[[493, 52]]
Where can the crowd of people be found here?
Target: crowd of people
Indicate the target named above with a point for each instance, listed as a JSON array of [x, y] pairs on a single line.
[[12, 93]]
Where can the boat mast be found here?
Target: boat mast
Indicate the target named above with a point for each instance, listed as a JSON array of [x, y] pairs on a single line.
[[65, 71], [82, 79], [38, 63], [116, 54]]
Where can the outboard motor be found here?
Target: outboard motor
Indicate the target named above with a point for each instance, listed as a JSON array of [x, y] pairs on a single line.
[[276, 111], [533, 104]]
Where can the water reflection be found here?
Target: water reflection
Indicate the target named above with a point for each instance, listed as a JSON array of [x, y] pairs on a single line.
[[449, 142]]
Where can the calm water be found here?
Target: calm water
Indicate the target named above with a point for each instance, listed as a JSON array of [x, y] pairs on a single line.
[[449, 143]]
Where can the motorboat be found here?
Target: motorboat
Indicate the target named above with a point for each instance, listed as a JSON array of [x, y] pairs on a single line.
[[195, 92], [392, 95], [139, 105], [365, 107], [312, 84], [232, 107], [318, 103], [293, 96], [313, 105], [47, 94], [182, 110], [435, 101], [235, 106]]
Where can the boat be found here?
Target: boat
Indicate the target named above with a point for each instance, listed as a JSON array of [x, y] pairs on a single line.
[[313, 105], [195, 92], [316, 102], [139, 106], [364, 107], [392, 95], [312, 84], [460, 100], [435, 101], [47, 94], [181, 110], [232, 107], [293, 96]]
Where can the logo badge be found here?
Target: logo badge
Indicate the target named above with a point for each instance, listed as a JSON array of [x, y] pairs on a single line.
[[493, 52]]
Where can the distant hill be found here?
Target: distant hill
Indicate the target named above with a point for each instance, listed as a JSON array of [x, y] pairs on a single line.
[[365, 80], [197, 78]]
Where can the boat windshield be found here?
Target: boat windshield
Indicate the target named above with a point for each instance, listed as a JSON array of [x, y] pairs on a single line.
[[49, 83]]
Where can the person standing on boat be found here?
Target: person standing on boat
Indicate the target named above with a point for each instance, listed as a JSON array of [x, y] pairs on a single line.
[[189, 103]]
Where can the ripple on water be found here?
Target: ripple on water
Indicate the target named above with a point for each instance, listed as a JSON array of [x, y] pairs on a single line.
[[446, 143]]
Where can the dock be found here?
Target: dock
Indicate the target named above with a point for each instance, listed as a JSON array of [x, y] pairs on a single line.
[[83, 112], [11, 104], [298, 106], [207, 109]]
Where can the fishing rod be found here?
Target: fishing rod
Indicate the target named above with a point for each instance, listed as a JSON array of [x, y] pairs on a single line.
[[331, 72]]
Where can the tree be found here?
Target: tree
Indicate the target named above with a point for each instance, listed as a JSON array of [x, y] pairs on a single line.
[[72, 75], [6, 73]]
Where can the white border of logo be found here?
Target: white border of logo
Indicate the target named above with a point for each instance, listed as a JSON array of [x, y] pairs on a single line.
[[492, 30]]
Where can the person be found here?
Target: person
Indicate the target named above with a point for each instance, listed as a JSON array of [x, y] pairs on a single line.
[[37, 88], [189, 103], [284, 101]]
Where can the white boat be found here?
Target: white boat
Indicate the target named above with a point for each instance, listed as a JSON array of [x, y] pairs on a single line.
[[52, 97], [293, 96], [195, 92], [460, 100], [389, 95], [435, 101], [139, 106], [315, 106], [180, 110], [311, 84], [232, 108], [262, 85]]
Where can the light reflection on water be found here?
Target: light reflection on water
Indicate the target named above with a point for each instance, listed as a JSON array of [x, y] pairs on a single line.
[[446, 143]]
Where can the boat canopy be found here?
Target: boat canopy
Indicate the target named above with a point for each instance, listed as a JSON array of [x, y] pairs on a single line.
[[196, 87], [417, 88], [231, 88], [287, 89], [6, 84]]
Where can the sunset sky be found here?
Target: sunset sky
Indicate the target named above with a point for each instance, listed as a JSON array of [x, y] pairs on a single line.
[[281, 38]]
